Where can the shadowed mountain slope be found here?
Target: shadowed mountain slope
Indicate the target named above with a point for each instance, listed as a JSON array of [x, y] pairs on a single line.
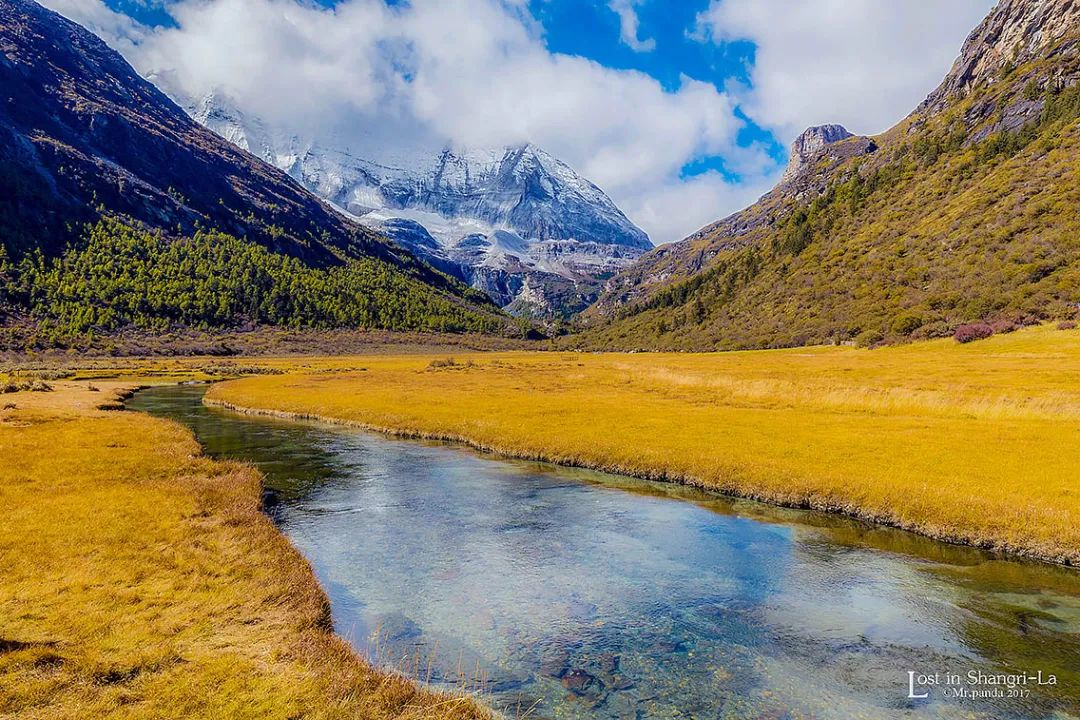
[[83, 136]]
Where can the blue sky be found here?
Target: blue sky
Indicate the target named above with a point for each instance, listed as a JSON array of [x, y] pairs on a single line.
[[591, 29], [681, 110]]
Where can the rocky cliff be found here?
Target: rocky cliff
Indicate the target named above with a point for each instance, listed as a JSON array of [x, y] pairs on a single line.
[[808, 145], [1014, 33]]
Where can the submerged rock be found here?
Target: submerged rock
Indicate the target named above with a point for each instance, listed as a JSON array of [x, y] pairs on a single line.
[[396, 628], [579, 681], [608, 663], [555, 664]]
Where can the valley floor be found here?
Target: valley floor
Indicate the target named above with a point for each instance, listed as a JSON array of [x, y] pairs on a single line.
[[973, 444], [141, 580]]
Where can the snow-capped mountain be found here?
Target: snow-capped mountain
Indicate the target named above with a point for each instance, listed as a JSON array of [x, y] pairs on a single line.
[[517, 223]]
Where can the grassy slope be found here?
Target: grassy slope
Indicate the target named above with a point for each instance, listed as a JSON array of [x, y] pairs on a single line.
[[941, 230], [971, 443], [140, 580]]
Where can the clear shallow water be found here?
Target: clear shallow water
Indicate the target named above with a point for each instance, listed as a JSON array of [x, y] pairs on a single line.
[[574, 594]]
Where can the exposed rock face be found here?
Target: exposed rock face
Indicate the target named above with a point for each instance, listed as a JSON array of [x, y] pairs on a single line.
[[1014, 32], [807, 145]]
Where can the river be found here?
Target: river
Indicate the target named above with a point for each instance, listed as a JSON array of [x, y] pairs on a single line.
[[562, 593]]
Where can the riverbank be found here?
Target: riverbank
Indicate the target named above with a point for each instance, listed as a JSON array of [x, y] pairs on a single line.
[[141, 579], [970, 444]]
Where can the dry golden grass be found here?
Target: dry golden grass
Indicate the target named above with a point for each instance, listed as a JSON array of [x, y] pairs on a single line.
[[969, 443], [139, 579]]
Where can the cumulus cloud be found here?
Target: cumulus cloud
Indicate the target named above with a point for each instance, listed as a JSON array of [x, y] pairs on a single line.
[[629, 25], [477, 74], [862, 63], [471, 73], [292, 65]]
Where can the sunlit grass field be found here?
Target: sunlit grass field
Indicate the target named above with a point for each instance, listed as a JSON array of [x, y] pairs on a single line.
[[139, 579], [976, 443]]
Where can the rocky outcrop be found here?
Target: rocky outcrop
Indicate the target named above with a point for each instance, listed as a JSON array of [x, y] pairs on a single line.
[[808, 144], [1015, 32]]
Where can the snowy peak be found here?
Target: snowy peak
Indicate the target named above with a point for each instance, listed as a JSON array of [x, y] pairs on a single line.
[[488, 215], [522, 189]]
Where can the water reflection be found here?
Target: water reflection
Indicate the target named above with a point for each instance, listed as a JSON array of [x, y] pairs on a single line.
[[582, 595]]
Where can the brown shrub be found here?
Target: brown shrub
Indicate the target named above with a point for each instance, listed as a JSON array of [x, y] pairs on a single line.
[[972, 332], [1002, 327]]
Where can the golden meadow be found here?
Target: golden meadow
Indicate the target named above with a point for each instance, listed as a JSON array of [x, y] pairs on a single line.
[[976, 443], [140, 580], [154, 587]]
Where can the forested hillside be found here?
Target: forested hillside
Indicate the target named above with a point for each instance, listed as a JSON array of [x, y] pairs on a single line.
[[968, 210], [125, 277], [117, 209]]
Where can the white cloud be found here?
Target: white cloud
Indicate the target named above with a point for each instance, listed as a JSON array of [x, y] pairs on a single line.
[[629, 25], [120, 31], [474, 73], [862, 63], [290, 64]]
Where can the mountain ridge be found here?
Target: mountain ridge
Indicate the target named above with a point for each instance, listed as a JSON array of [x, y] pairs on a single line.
[[90, 123], [965, 211]]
